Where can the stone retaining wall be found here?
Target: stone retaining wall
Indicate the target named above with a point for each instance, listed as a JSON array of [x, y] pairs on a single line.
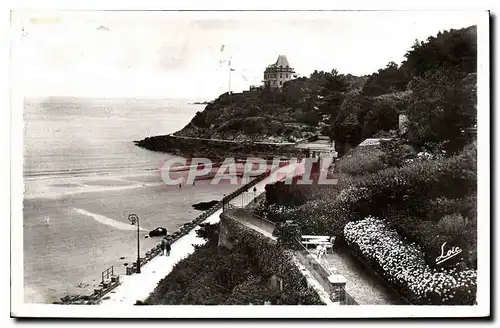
[[334, 284]]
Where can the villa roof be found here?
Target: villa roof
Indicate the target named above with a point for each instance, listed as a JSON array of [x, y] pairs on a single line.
[[282, 61], [281, 65]]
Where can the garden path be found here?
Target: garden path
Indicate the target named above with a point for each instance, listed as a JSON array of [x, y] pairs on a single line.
[[362, 284], [139, 286]]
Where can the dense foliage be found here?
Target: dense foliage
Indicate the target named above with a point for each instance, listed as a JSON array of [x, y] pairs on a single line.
[[435, 86], [442, 108], [361, 160], [423, 200], [403, 265], [245, 274], [455, 49], [422, 183]]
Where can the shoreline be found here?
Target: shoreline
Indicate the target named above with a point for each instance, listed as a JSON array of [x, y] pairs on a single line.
[[218, 151], [81, 219], [160, 266]]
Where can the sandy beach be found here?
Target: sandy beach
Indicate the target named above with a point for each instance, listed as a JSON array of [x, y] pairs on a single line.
[[82, 170]]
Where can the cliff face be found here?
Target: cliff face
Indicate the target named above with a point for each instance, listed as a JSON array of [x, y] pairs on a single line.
[[258, 115], [214, 150]]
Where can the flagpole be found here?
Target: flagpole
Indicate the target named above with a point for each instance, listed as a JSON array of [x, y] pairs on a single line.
[[229, 65]]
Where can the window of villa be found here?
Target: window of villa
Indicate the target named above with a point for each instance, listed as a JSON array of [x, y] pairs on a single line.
[[281, 75], [281, 82], [287, 76]]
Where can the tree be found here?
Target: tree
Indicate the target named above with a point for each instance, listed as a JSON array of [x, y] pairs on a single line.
[[454, 49], [332, 94], [386, 80], [380, 114], [347, 130], [443, 106]]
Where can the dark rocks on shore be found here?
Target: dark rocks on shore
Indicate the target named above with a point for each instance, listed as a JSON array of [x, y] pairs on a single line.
[[214, 150], [158, 232], [204, 206]]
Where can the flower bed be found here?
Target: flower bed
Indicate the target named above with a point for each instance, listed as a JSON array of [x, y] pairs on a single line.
[[414, 198], [403, 266]]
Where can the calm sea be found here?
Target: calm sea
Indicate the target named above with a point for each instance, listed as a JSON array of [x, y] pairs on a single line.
[[83, 171], [85, 135]]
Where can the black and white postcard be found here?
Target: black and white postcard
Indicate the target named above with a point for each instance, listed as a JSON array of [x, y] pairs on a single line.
[[238, 164]]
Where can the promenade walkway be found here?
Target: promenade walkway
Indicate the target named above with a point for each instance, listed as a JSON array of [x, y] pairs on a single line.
[[260, 225], [362, 284], [139, 286]]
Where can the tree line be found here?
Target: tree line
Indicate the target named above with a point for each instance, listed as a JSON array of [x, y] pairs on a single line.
[[435, 87]]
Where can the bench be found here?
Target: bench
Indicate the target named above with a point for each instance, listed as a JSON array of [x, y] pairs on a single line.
[[326, 241], [316, 243]]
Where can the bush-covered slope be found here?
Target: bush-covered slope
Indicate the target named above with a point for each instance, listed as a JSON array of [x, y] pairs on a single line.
[[217, 276]]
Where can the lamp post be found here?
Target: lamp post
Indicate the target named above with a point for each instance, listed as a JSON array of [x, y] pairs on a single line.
[[133, 218]]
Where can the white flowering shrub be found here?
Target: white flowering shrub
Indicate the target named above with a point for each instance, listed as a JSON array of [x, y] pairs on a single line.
[[403, 265], [424, 155]]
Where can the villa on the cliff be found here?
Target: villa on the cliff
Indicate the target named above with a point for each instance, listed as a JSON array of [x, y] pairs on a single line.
[[275, 75]]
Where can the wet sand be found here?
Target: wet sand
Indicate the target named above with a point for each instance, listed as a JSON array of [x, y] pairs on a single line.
[[89, 229]]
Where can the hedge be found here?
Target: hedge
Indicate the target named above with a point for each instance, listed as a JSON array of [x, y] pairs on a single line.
[[242, 275], [415, 199], [403, 265], [273, 259]]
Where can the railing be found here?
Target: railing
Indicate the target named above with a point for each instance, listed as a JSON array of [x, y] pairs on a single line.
[[263, 223], [246, 217], [184, 230], [243, 199], [156, 250], [108, 282], [320, 272], [317, 269], [107, 274]]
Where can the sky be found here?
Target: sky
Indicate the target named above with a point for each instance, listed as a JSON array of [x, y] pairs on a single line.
[[185, 54]]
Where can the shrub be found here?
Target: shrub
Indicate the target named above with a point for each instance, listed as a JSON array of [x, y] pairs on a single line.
[[280, 193], [274, 261], [360, 160], [411, 185], [209, 232], [404, 266], [442, 108], [215, 276], [396, 152], [452, 223], [413, 198], [288, 234]]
